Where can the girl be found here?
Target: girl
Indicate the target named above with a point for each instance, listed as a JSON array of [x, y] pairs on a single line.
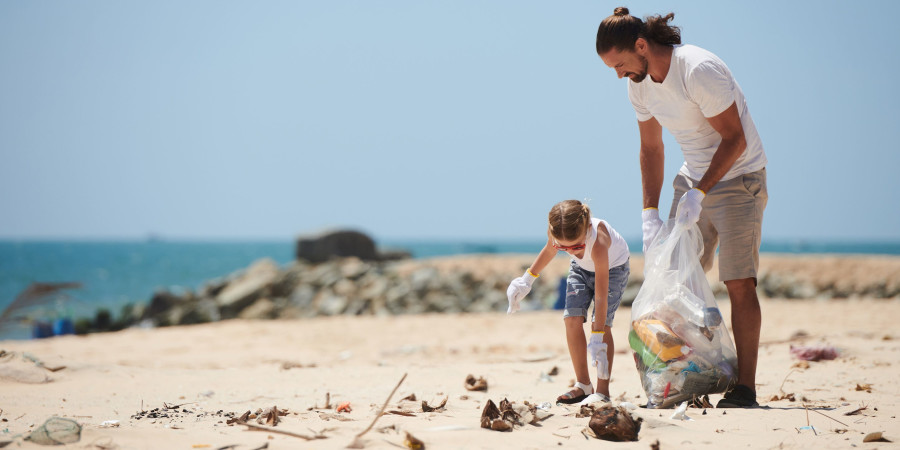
[[599, 270]]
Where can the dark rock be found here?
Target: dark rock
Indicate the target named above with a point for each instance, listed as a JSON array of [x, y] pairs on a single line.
[[161, 303], [200, 311]]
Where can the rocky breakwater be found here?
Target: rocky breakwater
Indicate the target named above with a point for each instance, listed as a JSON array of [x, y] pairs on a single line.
[[471, 283], [347, 286]]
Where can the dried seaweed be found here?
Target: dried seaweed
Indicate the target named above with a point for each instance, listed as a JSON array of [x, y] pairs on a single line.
[[287, 365], [439, 408], [473, 384], [413, 442], [239, 420], [269, 416], [491, 418], [508, 415]]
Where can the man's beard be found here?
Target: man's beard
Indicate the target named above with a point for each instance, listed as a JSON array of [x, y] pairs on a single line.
[[638, 77]]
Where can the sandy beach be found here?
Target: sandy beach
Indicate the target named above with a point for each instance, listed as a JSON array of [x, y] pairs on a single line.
[[195, 378]]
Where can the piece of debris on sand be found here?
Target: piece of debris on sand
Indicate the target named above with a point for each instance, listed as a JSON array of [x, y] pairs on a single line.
[[875, 437], [473, 384], [56, 431], [270, 416], [344, 407], [439, 408], [612, 423], [509, 415], [413, 442], [814, 353]]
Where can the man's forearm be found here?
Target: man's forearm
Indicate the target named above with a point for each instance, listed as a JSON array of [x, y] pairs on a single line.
[[652, 166], [727, 153]]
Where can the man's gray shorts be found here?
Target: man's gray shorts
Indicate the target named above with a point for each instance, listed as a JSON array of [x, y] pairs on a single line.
[[580, 291], [731, 218]]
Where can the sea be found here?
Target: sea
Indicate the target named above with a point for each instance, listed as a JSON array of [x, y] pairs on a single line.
[[110, 274]]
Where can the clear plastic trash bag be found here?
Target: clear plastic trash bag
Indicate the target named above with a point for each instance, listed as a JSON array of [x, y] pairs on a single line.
[[681, 346]]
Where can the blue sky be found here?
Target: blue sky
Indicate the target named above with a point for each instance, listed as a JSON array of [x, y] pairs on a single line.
[[414, 119]]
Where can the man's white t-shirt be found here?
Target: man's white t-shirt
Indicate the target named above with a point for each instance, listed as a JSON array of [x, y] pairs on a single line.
[[698, 85]]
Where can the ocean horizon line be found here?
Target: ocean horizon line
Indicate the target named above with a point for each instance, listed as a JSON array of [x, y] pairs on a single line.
[[434, 247]]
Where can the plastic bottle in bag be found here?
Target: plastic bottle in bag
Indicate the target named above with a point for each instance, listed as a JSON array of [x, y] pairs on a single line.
[[687, 305]]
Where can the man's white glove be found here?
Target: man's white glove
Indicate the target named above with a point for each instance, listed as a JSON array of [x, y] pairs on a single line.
[[518, 289], [688, 212], [651, 225], [597, 351]]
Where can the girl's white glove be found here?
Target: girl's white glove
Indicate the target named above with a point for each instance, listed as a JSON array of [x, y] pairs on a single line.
[[650, 225], [517, 290], [597, 350]]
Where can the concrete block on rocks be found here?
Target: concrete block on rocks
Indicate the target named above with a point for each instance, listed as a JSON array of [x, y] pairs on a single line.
[[336, 244]]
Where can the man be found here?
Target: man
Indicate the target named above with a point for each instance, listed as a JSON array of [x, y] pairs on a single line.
[[721, 185]]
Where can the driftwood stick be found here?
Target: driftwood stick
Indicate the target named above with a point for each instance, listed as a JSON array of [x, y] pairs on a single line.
[[832, 418], [289, 433], [381, 412]]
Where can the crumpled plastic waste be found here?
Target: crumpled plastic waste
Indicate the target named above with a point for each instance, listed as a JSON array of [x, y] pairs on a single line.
[[56, 431], [594, 398], [814, 353], [681, 412]]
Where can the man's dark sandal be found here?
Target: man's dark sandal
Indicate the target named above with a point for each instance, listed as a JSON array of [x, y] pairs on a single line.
[[739, 397]]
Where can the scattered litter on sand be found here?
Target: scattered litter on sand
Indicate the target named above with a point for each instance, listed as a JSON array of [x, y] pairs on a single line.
[[439, 408], [509, 415], [681, 412], [56, 431], [875, 437], [413, 442], [21, 368], [473, 384], [287, 365], [612, 423], [814, 353]]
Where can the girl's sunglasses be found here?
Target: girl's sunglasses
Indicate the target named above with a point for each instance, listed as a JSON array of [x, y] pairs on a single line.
[[566, 248]]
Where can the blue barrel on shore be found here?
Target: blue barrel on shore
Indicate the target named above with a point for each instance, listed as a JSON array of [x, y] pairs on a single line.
[[41, 329], [63, 326]]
